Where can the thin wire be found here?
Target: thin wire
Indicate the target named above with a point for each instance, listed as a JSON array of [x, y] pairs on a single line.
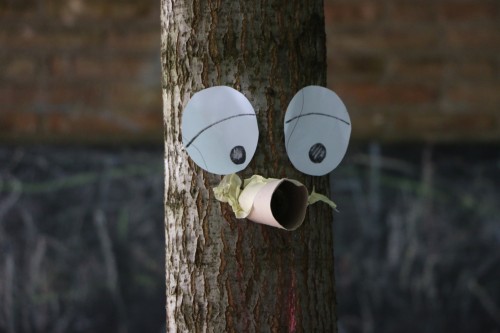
[[300, 114], [217, 122], [319, 114], [203, 158], [198, 150]]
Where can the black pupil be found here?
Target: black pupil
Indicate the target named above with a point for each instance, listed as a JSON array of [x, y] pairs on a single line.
[[238, 155], [317, 153]]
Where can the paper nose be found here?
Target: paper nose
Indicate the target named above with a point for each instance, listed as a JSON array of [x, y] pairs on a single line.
[[280, 203]]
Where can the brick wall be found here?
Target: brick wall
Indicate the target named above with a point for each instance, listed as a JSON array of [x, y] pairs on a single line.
[[80, 70], [89, 71], [417, 70]]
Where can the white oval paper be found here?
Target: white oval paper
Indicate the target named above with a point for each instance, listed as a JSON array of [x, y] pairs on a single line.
[[214, 122], [317, 117]]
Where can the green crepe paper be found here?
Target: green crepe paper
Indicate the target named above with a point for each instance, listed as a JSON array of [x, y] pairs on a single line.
[[229, 190], [315, 197]]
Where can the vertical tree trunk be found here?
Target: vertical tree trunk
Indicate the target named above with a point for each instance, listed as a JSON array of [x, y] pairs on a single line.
[[224, 274]]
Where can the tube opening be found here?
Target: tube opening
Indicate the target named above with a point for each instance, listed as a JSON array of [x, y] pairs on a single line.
[[288, 205]]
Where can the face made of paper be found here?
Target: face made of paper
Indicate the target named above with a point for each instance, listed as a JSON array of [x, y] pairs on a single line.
[[220, 134], [219, 130], [317, 130]]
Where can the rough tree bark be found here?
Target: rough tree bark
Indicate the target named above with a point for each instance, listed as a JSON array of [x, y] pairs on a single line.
[[224, 274]]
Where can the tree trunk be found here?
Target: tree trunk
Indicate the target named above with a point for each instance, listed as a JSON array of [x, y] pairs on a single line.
[[225, 274]]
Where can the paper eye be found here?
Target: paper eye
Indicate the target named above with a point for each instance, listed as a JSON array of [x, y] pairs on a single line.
[[219, 130], [317, 130]]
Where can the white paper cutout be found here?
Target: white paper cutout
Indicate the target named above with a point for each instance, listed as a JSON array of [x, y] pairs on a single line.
[[317, 130], [219, 130]]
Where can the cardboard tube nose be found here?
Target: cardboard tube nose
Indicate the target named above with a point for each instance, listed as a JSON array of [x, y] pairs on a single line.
[[280, 203]]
